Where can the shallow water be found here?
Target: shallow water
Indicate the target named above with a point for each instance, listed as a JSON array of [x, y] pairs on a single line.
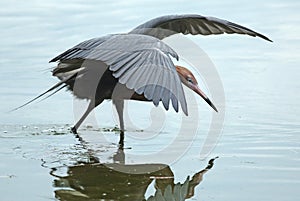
[[259, 152]]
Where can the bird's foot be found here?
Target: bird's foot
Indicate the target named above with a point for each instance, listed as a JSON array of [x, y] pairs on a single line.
[[74, 131]]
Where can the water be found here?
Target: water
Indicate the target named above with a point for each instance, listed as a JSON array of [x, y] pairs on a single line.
[[259, 146]]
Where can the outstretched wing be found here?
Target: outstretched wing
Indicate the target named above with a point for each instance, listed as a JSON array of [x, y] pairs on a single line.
[[140, 62], [168, 25], [81, 50]]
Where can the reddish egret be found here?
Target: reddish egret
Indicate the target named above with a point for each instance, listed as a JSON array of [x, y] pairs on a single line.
[[136, 65]]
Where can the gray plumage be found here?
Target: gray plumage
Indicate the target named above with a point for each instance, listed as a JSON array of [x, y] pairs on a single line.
[[138, 62], [168, 25]]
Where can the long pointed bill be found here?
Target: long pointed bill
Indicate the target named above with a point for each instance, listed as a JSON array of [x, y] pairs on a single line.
[[202, 94]]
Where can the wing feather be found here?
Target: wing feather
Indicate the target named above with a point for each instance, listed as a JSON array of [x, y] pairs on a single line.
[[142, 63], [168, 25]]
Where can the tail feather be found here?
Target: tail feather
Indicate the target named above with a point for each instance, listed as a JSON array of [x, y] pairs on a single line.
[[60, 85], [57, 90]]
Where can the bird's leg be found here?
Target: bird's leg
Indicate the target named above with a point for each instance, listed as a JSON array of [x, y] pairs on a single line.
[[120, 107], [119, 103], [121, 142], [74, 130], [90, 107]]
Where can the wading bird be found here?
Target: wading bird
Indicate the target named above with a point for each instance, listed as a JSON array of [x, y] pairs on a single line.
[[136, 65]]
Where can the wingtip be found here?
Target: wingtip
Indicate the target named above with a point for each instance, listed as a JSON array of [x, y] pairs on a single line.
[[264, 37], [268, 39]]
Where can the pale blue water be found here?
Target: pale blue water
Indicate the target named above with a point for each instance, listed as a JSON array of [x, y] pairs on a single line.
[[259, 147]]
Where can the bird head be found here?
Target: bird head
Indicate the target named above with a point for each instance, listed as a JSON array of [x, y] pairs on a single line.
[[189, 80]]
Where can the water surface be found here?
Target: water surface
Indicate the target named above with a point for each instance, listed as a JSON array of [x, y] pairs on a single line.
[[259, 146]]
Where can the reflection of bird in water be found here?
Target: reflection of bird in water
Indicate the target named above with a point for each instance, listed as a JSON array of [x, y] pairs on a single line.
[[101, 182], [136, 65], [118, 180], [168, 188]]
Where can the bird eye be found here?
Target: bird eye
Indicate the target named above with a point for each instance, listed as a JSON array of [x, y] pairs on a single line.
[[189, 80]]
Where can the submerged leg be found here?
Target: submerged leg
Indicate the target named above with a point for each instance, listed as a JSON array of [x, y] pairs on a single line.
[[120, 108], [121, 141]]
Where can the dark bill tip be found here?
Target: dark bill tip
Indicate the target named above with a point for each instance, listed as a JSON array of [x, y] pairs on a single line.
[[211, 104]]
